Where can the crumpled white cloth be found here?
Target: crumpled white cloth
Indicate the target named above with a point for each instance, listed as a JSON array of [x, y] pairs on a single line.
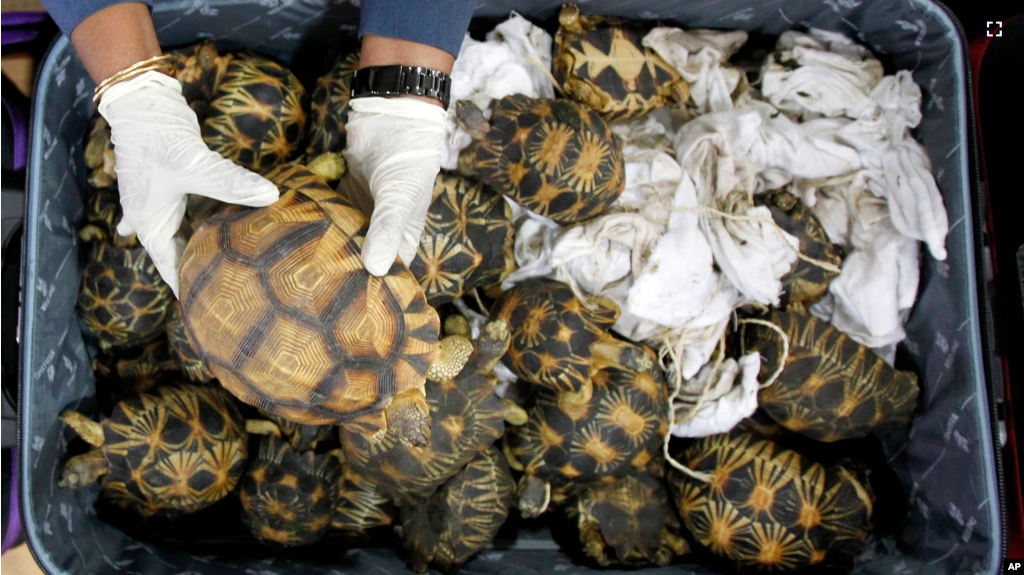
[[752, 253], [701, 57], [820, 74], [726, 402], [898, 168], [511, 60], [877, 287]]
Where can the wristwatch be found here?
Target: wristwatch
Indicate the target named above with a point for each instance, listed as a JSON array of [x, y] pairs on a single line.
[[400, 81]]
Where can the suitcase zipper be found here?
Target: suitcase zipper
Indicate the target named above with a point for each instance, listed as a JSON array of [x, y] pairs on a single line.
[[984, 311]]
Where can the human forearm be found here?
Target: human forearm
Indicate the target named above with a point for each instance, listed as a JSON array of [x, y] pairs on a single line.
[[114, 38]]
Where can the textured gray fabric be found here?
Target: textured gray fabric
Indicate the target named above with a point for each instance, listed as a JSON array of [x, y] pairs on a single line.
[[945, 462]]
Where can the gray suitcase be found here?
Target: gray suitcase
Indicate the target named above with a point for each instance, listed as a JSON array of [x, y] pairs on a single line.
[[946, 463]]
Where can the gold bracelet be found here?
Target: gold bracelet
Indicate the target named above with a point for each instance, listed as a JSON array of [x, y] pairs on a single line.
[[159, 63]]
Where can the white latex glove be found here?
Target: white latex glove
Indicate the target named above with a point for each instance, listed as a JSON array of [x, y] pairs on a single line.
[[393, 156], [161, 157]]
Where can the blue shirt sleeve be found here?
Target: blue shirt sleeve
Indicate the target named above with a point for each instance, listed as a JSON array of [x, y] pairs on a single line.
[[438, 23], [70, 13]]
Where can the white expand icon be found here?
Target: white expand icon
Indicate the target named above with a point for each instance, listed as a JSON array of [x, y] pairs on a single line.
[[994, 29]]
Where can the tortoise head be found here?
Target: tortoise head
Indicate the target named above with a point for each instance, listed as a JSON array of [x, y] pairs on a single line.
[[471, 118]]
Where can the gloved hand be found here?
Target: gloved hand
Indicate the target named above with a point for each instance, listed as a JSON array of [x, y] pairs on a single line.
[[160, 157], [393, 157]]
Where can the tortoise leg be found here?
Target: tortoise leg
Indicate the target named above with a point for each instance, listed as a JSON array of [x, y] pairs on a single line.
[[87, 429], [534, 496], [409, 417], [672, 545], [457, 325], [84, 469], [262, 427], [514, 415], [454, 354], [679, 91], [569, 18], [329, 165], [593, 543], [491, 345], [513, 462], [583, 93]]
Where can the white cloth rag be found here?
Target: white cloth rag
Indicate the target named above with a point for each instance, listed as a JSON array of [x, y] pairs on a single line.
[[819, 74], [877, 287], [751, 252], [701, 57], [511, 60], [898, 168], [726, 403]]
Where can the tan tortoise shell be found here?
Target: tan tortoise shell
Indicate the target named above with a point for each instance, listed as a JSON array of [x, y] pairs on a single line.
[[286, 317]]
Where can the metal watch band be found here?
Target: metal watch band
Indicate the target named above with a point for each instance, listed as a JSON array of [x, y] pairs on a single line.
[[400, 81]]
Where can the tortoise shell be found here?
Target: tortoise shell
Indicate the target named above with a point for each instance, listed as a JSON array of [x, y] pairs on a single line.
[[807, 282], [465, 417], [285, 316], [199, 68], [287, 496], [769, 507], [612, 428], [177, 449], [122, 299], [467, 240], [99, 154], [127, 372], [832, 388], [360, 506], [556, 158], [102, 214], [629, 521], [329, 107], [552, 332], [181, 347], [258, 117], [601, 62], [461, 518]]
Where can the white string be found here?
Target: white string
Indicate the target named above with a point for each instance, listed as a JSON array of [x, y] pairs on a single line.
[[785, 346], [698, 475]]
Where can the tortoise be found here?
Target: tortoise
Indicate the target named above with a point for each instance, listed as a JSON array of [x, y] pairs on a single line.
[[556, 158], [99, 154], [600, 61], [360, 505], [178, 449], [122, 300], [288, 495], [181, 347], [199, 68], [832, 388], [146, 366], [329, 107], [611, 428], [467, 241], [553, 332], [102, 214], [285, 316], [629, 521], [465, 417], [807, 283], [769, 507], [257, 118], [461, 518]]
